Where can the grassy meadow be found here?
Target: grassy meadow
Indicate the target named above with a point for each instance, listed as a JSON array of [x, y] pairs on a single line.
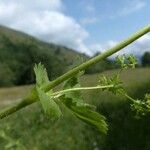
[[29, 128]]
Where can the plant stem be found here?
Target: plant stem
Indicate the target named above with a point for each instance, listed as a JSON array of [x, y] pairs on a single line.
[[6, 112], [130, 98], [59, 93], [33, 96], [23, 103]]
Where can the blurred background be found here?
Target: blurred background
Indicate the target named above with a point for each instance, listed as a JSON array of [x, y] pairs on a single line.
[[62, 34]]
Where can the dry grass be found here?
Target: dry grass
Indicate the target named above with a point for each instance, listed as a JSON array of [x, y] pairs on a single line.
[[13, 94]]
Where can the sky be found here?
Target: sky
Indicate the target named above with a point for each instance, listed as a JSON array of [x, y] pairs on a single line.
[[87, 26]]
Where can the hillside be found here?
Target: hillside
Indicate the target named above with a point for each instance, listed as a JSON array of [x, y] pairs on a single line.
[[20, 37], [19, 52]]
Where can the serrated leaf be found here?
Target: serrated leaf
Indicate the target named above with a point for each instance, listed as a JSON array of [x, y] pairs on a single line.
[[132, 61], [41, 75], [49, 105], [47, 101], [88, 115], [91, 117], [85, 112], [113, 80], [141, 107], [121, 60]]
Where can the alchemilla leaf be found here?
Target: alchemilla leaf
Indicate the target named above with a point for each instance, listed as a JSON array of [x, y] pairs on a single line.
[[85, 112], [49, 105], [91, 117], [41, 75], [87, 115]]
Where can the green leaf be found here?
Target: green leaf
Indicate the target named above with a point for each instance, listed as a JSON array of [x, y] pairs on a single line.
[[141, 107], [126, 61], [113, 80], [91, 117], [86, 114], [121, 60], [147, 96], [132, 61], [49, 105], [41, 75]]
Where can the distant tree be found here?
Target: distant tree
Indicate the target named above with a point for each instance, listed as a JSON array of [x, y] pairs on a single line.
[[146, 59], [18, 57], [6, 75], [105, 64], [57, 51]]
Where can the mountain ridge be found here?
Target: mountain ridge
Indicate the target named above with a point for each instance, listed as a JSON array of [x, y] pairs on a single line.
[[20, 51]]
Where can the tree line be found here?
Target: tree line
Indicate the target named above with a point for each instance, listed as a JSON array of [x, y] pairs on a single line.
[[17, 60]]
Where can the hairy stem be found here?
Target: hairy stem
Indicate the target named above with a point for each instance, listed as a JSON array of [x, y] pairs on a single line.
[[23, 103], [33, 96], [59, 93]]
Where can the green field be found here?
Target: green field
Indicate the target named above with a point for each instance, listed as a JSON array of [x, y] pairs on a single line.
[[30, 129]]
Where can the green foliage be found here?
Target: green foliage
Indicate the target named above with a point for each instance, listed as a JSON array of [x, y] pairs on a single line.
[[72, 98], [74, 101], [49, 105], [18, 56], [113, 80], [141, 107], [132, 61], [11, 144], [125, 130], [86, 114], [146, 59], [6, 75], [41, 75], [126, 61], [30, 126]]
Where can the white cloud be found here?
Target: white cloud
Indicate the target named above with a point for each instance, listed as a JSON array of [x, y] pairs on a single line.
[[131, 7], [44, 19], [137, 48], [88, 20]]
